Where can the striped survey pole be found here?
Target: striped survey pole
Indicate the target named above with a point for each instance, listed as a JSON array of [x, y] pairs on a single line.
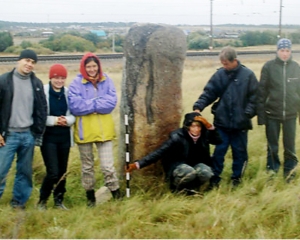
[[127, 156]]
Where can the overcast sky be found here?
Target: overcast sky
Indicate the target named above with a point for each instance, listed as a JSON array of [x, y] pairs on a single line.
[[193, 12]]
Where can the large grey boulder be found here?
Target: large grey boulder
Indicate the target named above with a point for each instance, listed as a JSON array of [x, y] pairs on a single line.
[[151, 87]]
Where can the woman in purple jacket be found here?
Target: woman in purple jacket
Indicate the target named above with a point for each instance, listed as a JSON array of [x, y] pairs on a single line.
[[92, 98]]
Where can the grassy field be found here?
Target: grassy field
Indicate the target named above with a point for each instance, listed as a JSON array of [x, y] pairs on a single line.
[[259, 208]]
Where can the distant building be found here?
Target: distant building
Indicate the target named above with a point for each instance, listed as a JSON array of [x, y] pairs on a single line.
[[47, 34], [229, 35], [186, 32], [99, 33]]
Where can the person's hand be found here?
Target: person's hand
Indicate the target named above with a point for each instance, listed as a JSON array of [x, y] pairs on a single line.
[[201, 119], [131, 167], [62, 121], [197, 110], [2, 142]]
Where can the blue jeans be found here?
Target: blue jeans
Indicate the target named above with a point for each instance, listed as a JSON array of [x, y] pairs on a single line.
[[238, 140], [22, 144], [273, 127]]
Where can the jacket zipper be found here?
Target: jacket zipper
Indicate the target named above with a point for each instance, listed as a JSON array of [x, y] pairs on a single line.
[[100, 124], [284, 90]]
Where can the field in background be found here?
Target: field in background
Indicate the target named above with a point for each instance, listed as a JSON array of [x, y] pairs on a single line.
[[260, 208]]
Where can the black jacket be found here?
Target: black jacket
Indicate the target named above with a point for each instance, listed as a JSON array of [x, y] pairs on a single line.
[[39, 108], [237, 104], [176, 150], [279, 90]]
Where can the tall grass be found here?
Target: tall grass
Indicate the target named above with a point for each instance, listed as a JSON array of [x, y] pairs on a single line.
[[262, 207]]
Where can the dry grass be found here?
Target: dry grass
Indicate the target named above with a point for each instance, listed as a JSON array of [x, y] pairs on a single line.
[[260, 208]]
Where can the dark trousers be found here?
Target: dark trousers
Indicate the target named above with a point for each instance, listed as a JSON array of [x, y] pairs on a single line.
[[273, 127], [55, 157], [238, 140]]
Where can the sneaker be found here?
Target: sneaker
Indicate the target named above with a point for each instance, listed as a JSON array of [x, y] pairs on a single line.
[[61, 206], [16, 205], [91, 204], [42, 205]]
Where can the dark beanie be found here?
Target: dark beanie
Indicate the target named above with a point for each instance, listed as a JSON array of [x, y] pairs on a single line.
[[27, 53], [189, 118], [284, 43]]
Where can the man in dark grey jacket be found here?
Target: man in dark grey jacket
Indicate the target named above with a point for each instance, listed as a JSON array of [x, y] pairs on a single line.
[[235, 86], [23, 113], [278, 106]]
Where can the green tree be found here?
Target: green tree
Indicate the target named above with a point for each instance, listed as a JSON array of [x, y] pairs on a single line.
[[6, 40], [295, 37], [268, 38], [198, 40], [68, 43], [92, 37], [26, 44]]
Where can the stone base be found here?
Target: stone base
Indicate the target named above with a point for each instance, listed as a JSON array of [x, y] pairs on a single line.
[[103, 195]]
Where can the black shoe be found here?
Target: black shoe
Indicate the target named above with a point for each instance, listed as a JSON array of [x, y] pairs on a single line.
[[90, 194], [117, 194], [235, 182]]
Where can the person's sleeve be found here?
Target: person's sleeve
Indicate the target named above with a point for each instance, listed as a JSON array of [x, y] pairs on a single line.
[[105, 104], [210, 93], [156, 154], [77, 104], [250, 109], [214, 137], [262, 94]]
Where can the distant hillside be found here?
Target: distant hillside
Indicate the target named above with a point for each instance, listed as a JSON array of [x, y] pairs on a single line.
[[7, 25]]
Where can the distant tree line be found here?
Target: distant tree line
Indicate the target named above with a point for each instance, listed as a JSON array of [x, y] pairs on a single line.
[[199, 40], [74, 41]]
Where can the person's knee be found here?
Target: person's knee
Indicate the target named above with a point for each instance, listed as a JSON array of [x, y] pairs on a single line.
[[204, 172], [183, 174]]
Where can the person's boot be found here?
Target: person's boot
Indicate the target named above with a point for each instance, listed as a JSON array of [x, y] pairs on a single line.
[[117, 194], [235, 182], [58, 201], [42, 205], [91, 199]]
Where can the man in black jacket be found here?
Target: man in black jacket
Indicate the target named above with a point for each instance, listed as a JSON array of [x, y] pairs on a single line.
[[235, 86], [185, 155], [23, 113], [278, 106]]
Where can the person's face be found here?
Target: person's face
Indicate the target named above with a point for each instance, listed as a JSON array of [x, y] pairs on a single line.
[[228, 65], [25, 66], [284, 54], [92, 69], [195, 129], [57, 82]]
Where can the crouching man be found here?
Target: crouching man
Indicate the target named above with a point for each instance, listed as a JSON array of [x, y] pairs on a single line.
[[185, 155]]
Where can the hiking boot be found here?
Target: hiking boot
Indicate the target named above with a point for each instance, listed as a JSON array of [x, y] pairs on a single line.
[[117, 194], [91, 199]]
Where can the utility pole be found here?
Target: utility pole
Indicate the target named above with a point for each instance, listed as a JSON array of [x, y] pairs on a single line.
[[211, 44], [280, 17], [113, 42]]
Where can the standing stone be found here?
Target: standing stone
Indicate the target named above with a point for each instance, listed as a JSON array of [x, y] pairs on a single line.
[[151, 88]]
